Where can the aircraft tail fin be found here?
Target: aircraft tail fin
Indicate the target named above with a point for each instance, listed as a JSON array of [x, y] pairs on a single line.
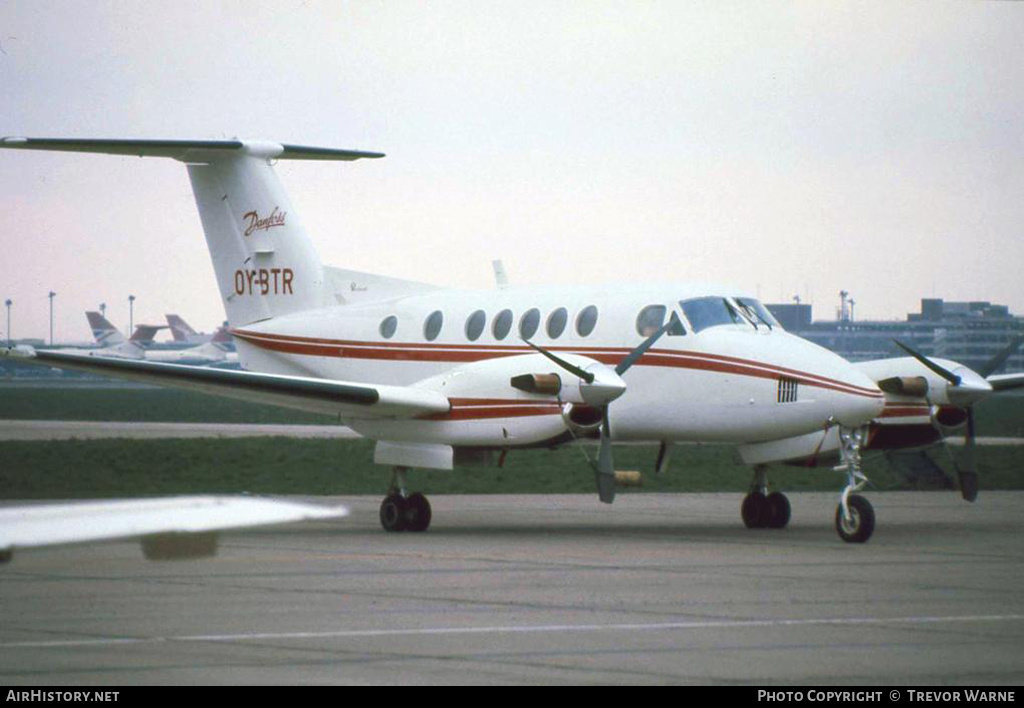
[[265, 262], [144, 334], [103, 331], [180, 329], [222, 338]]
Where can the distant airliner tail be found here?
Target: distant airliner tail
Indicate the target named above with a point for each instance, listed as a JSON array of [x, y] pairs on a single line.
[[144, 334], [180, 329], [103, 331]]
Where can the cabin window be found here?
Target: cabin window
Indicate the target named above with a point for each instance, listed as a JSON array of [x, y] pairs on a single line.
[[432, 327], [475, 325], [704, 312], [388, 326], [650, 320], [529, 323], [556, 322], [502, 324], [586, 320]]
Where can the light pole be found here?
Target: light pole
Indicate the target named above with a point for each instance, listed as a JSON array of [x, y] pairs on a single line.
[[131, 315], [51, 296], [8, 303]]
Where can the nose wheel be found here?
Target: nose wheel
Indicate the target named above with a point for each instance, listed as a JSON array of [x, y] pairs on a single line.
[[858, 525], [401, 511]]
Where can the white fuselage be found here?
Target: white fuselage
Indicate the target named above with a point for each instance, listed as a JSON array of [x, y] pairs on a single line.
[[719, 384]]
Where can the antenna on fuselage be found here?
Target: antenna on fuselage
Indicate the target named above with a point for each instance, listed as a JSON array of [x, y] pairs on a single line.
[[499, 274]]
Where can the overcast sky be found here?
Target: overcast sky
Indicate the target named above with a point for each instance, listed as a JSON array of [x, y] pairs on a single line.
[[792, 148]]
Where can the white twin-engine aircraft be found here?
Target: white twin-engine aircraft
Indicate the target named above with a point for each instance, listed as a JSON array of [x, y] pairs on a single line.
[[444, 377]]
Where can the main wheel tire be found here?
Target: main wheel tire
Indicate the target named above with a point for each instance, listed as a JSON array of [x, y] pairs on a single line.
[[417, 512], [393, 513], [755, 510], [861, 524], [778, 510]]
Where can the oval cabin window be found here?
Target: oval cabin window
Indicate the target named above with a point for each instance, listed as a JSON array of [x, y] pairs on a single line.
[[529, 323], [502, 324], [475, 325], [586, 320], [388, 326], [556, 322], [432, 327]]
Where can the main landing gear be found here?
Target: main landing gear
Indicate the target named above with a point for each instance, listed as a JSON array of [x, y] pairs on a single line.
[[763, 509], [401, 511], [855, 517]]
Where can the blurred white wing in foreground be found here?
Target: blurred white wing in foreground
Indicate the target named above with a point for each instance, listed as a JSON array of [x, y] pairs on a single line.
[[169, 527]]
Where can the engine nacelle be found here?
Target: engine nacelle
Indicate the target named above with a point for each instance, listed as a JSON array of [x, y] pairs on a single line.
[[949, 418], [583, 420], [916, 386], [504, 402]]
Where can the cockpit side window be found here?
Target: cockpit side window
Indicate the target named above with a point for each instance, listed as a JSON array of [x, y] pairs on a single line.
[[704, 312], [650, 320]]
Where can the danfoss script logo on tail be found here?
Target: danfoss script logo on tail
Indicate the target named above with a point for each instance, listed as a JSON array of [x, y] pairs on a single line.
[[253, 222]]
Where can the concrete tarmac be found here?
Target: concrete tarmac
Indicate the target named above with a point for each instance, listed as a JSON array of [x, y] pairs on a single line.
[[656, 589]]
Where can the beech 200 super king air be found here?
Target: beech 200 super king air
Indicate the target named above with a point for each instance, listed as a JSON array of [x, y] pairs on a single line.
[[441, 378]]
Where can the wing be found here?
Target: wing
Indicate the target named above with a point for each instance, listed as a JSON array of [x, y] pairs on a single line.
[[169, 528], [1003, 382], [346, 400]]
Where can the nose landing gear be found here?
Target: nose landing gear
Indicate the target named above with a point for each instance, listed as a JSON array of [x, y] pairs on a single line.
[[855, 517], [401, 511]]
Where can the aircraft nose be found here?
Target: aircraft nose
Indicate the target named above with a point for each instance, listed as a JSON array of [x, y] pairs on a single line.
[[858, 400]]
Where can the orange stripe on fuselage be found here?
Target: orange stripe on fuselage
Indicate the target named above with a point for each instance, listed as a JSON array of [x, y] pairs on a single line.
[[468, 353]]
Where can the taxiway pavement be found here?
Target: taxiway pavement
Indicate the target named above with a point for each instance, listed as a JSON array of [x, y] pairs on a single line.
[[658, 588]]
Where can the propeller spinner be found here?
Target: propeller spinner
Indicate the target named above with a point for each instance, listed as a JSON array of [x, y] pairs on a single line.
[[966, 388], [602, 386]]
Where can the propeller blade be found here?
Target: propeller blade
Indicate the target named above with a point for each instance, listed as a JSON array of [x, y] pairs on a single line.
[[968, 471], [944, 373], [662, 462], [999, 359], [571, 368], [635, 355], [605, 472]]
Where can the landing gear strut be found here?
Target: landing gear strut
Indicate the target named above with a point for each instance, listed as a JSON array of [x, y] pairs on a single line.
[[401, 511], [855, 517], [761, 509]]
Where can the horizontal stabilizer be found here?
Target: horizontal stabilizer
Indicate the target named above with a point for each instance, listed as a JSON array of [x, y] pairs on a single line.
[[197, 151]]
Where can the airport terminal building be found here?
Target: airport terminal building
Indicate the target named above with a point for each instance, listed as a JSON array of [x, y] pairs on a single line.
[[970, 333]]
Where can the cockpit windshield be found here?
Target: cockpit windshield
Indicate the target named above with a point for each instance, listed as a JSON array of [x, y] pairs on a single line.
[[757, 312], [704, 312]]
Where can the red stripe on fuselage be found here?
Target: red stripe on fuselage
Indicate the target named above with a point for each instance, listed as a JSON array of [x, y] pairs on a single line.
[[905, 411], [482, 408], [467, 353]]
